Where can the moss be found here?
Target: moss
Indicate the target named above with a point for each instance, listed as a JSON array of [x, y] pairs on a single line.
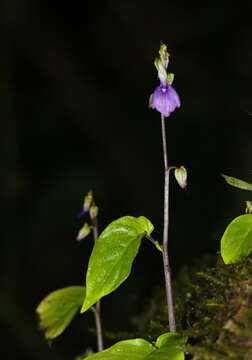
[[213, 307], [218, 314]]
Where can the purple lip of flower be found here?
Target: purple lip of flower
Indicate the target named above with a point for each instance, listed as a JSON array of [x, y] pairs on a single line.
[[164, 99]]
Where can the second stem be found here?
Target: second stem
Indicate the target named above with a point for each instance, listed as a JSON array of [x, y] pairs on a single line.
[[97, 307]]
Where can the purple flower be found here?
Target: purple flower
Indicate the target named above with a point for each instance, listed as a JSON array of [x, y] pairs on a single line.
[[81, 213], [164, 99]]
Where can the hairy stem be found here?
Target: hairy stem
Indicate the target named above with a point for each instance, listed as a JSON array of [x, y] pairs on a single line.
[[167, 269], [97, 308]]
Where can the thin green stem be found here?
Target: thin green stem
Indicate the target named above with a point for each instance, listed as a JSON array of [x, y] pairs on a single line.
[[97, 308], [167, 269]]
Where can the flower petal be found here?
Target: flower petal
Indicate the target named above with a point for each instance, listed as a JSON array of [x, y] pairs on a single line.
[[165, 99]]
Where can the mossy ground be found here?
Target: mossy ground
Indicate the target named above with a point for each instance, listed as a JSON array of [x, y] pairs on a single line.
[[215, 311], [213, 307]]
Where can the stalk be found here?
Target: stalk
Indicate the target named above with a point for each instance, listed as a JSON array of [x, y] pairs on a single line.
[[166, 263], [97, 307]]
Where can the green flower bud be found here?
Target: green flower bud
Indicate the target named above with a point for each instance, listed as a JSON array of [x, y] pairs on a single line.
[[93, 212], [162, 74], [84, 232], [170, 78], [180, 174], [248, 207], [88, 201], [164, 55]]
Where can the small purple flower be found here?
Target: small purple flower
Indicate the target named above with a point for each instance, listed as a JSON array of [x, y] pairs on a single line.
[[81, 213], [164, 99]]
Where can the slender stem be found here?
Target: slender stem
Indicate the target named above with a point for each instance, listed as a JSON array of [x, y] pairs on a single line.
[[98, 326], [167, 269], [97, 308]]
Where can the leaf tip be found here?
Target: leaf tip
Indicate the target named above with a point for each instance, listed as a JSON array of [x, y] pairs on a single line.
[[86, 305]]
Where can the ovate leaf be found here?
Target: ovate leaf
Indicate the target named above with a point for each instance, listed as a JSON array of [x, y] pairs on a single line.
[[236, 242], [57, 310], [112, 256], [169, 347], [135, 349], [237, 183]]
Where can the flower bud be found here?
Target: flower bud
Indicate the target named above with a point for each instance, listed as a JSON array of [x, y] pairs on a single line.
[[180, 174], [164, 55], [93, 212], [162, 74], [170, 78], [88, 201], [84, 232], [248, 207]]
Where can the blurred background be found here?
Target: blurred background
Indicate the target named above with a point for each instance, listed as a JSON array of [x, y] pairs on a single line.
[[74, 90]]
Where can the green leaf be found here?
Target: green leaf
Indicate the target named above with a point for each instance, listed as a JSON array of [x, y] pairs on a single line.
[[169, 338], [169, 347], [135, 349], [112, 256], [57, 310], [166, 353], [237, 183], [236, 242]]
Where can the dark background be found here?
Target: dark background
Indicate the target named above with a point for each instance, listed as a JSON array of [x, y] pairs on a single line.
[[74, 89]]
